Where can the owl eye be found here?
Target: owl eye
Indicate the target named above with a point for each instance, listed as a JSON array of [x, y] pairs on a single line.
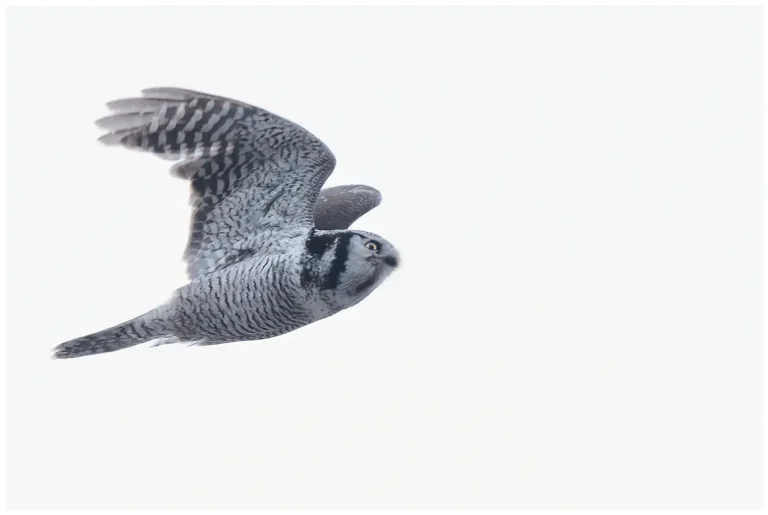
[[372, 246]]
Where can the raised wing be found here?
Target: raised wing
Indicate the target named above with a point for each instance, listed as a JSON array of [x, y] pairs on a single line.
[[338, 207], [254, 176]]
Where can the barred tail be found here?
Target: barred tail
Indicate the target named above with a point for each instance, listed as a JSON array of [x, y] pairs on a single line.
[[133, 332]]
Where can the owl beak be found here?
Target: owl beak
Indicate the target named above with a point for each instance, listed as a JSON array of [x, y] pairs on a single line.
[[391, 261]]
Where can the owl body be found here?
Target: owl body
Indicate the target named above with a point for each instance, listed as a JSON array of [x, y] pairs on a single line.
[[273, 294], [258, 298], [268, 252]]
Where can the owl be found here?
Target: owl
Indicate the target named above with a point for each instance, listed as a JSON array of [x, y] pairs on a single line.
[[269, 251]]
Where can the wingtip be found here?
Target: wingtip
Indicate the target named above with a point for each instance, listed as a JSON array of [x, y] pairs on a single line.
[[375, 193], [124, 121], [166, 93], [141, 105], [111, 138], [355, 188]]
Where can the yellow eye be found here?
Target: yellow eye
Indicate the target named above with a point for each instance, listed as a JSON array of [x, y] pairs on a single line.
[[372, 246]]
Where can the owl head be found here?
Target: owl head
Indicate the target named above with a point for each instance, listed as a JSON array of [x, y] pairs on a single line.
[[370, 260], [349, 265]]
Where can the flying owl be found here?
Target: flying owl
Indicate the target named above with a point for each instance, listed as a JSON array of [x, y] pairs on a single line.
[[268, 251]]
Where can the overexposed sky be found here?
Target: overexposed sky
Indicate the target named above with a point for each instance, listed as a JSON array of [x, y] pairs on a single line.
[[576, 196]]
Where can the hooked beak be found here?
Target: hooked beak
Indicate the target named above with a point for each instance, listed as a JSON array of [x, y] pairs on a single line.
[[391, 261]]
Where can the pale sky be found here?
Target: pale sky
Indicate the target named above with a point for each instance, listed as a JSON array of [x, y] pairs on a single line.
[[575, 194]]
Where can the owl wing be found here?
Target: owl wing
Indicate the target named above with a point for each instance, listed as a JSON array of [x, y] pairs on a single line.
[[338, 207], [254, 176]]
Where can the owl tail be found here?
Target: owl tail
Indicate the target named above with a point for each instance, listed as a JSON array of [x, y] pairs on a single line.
[[144, 328]]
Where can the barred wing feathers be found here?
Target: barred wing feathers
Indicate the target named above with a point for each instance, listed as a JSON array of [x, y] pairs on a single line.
[[254, 176]]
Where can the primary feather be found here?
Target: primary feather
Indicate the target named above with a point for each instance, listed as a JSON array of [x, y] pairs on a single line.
[[338, 207]]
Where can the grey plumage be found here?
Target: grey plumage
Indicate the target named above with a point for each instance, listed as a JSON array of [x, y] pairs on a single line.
[[268, 251], [338, 207]]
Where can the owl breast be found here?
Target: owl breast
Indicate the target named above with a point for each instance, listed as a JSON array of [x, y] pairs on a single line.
[[258, 298]]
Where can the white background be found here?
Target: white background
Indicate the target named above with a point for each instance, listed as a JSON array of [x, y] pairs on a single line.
[[576, 194]]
